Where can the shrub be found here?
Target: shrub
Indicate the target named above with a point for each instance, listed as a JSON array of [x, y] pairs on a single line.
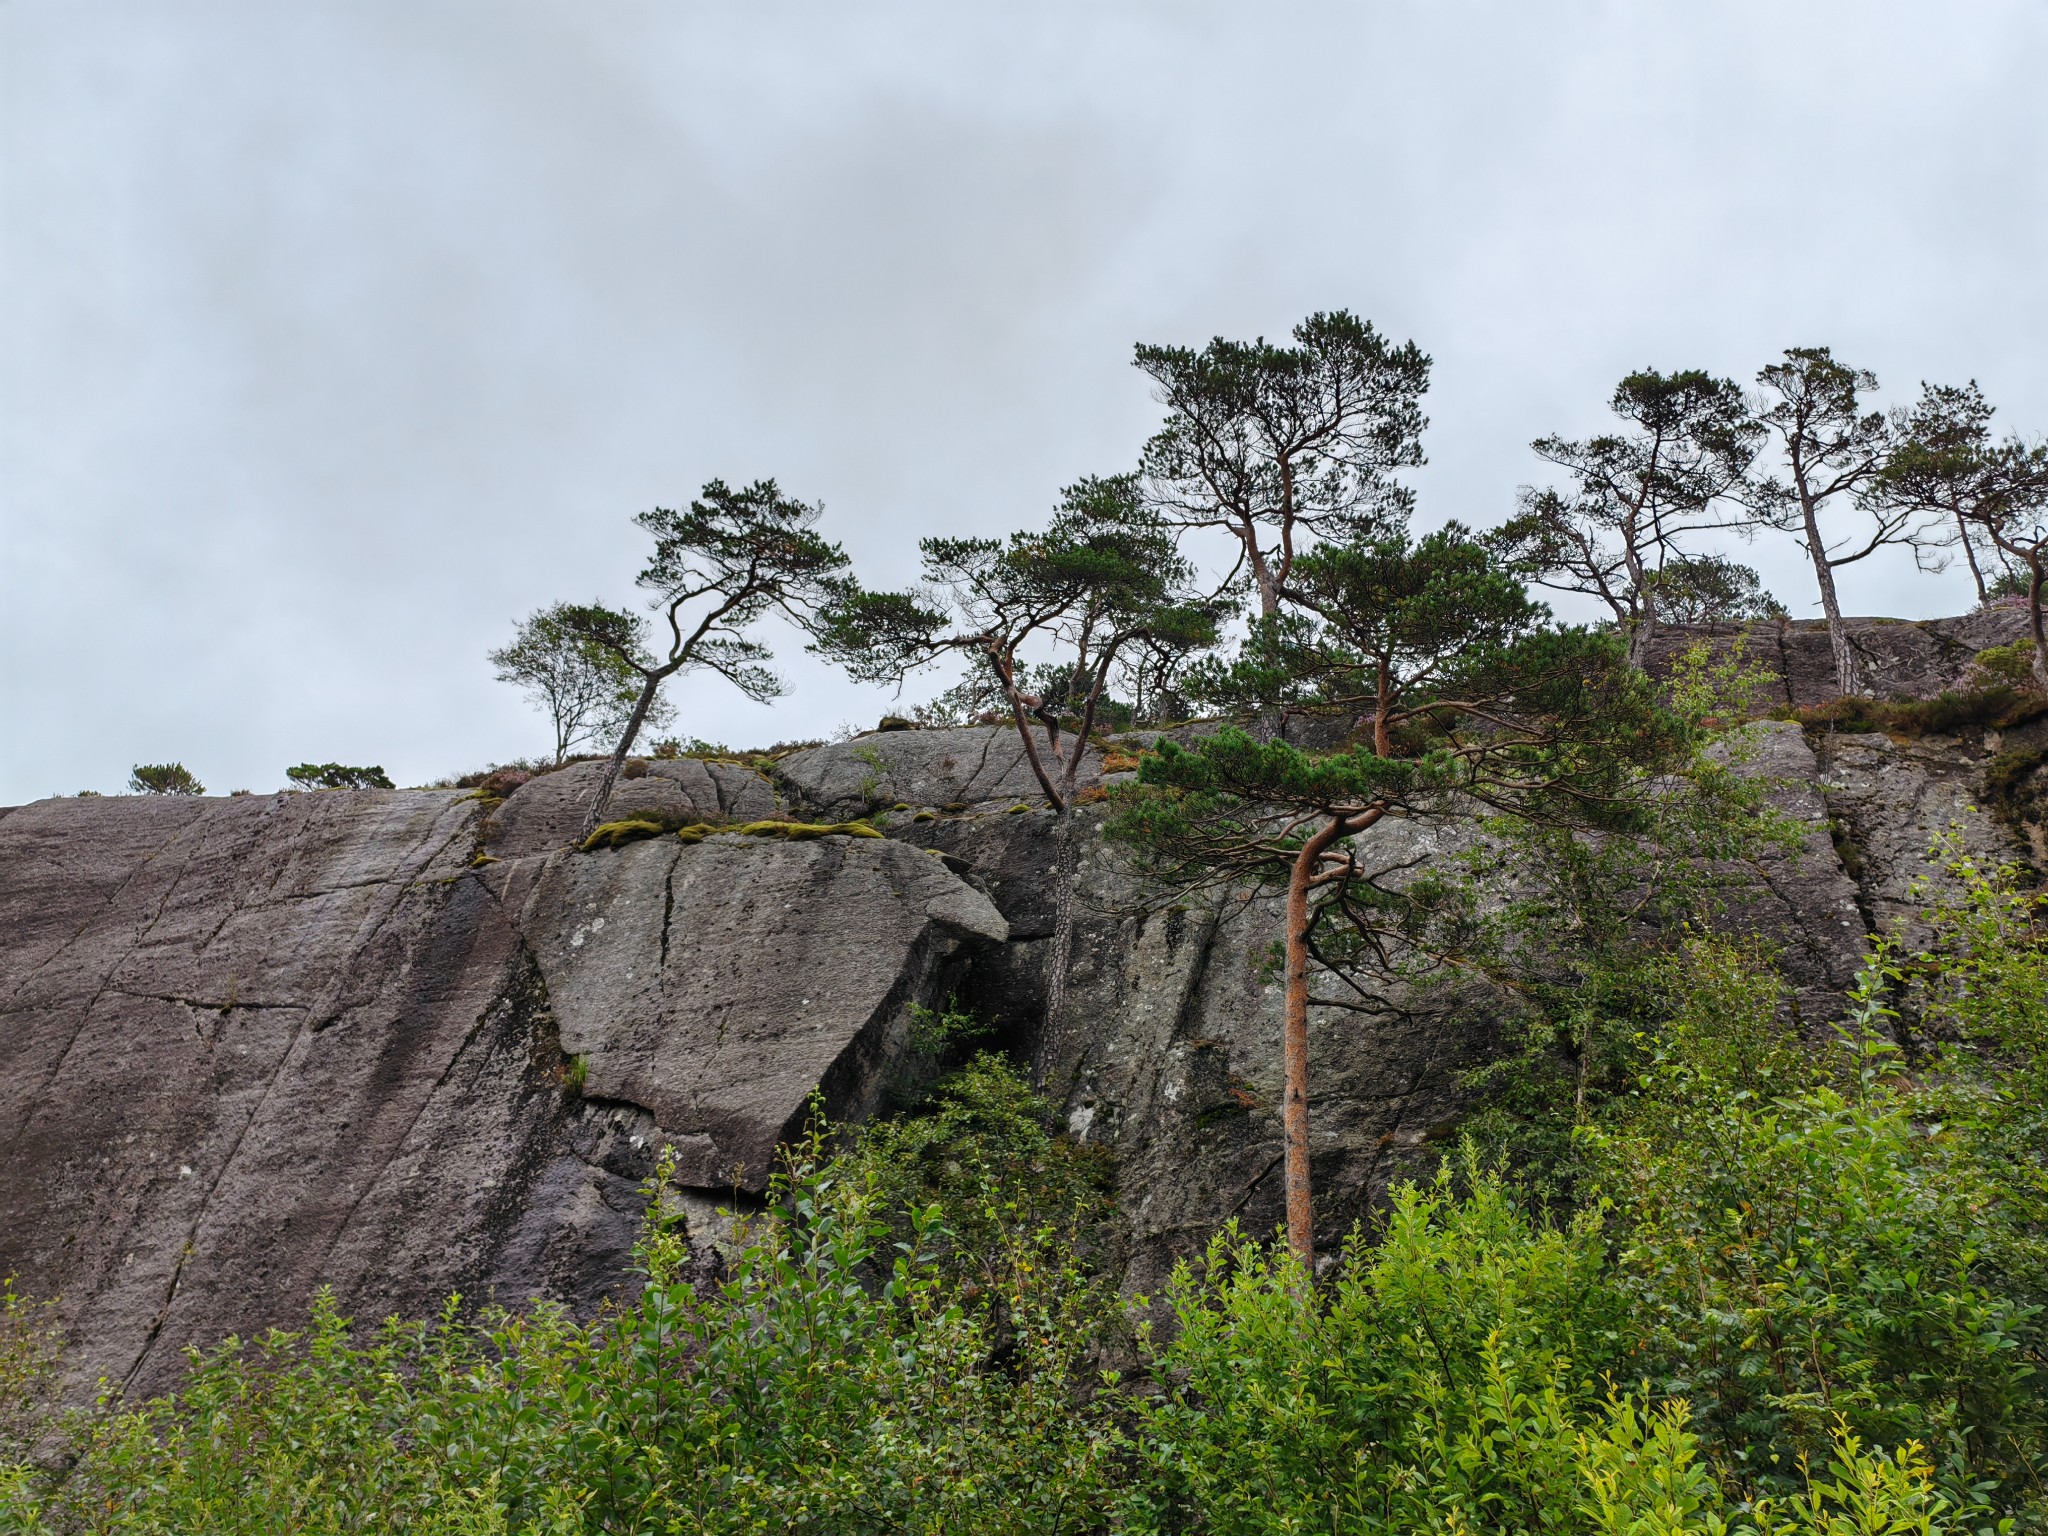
[[1951, 713], [2007, 666], [164, 779], [337, 776], [1803, 1254]]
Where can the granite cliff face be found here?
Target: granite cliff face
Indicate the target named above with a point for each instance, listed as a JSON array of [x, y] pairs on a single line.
[[257, 1045], [405, 1042]]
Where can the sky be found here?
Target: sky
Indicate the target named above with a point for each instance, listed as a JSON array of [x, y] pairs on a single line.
[[337, 337]]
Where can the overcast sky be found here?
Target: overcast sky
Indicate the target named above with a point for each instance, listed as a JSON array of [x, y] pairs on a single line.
[[334, 338]]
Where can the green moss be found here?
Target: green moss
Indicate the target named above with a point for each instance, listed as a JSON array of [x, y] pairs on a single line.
[[2010, 769], [614, 834], [803, 831], [926, 816], [1017, 810], [2015, 788]]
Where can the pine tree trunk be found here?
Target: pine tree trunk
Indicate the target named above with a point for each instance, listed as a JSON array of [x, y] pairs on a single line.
[[1061, 947], [1301, 1216], [1970, 555], [2034, 618], [1639, 639], [1831, 605], [1644, 628], [603, 797]]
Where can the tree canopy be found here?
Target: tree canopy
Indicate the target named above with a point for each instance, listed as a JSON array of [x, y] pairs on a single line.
[[1638, 497], [1277, 446], [587, 687], [720, 566], [164, 779], [1100, 593]]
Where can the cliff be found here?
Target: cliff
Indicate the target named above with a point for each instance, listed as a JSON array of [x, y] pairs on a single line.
[[403, 1043]]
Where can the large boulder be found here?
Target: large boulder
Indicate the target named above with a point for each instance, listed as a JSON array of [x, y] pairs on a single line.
[[547, 811], [718, 985], [1895, 806]]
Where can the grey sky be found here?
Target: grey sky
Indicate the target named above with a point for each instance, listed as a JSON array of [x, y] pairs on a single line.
[[336, 337]]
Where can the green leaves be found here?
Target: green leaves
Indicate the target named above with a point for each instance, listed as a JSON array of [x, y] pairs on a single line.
[[164, 779], [754, 545], [1101, 590], [584, 664], [1636, 497], [1278, 444], [337, 776]]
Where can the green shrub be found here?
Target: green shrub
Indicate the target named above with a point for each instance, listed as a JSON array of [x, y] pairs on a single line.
[[1804, 1254], [2010, 666], [337, 776], [1951, 713], [164, 779]]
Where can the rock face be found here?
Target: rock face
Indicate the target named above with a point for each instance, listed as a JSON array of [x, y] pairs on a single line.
[[402, 1042], [254, 1046], [717, 985], [1174, 1058], [970, 769], [1898, 658]]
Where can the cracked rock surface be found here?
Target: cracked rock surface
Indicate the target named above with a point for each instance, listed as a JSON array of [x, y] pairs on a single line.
[[1896, 658], [1171, 1057], [257, 1045]]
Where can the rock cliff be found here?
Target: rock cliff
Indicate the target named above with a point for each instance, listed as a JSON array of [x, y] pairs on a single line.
[[258, 1045], [401, 1043]]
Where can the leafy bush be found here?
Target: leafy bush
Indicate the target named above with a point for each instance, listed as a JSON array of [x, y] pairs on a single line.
[[2010, 666]]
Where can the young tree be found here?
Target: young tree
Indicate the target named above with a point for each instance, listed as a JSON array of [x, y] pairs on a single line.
[[1496, 716], [1541, 726], [1637, 495], [1942, 462], [1946, 464], [1102, 588], [1278, 446], [730, 560], [1834, 450], [586, 689], [164, 779]]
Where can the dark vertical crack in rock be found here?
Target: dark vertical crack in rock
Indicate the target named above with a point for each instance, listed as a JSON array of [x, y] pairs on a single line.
[[668, 908]]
